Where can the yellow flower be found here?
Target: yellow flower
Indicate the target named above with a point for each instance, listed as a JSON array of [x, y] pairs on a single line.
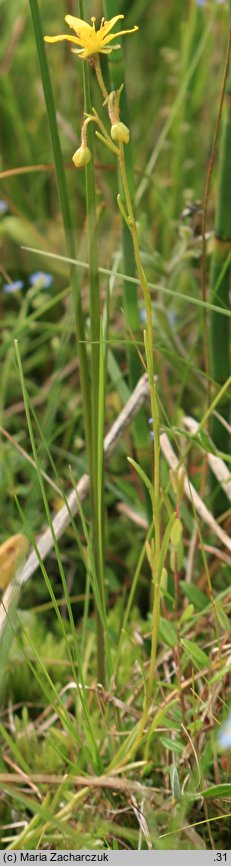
[[91, 41]]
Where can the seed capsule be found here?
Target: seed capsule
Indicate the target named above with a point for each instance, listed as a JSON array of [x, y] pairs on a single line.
[[81, 157], [120, 132]]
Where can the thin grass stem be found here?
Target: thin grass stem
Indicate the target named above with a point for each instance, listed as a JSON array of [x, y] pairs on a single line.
[[96, 477], [220, 275]]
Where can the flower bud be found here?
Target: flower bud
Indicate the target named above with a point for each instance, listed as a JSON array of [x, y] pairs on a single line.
[[81, 156], [120, 132]]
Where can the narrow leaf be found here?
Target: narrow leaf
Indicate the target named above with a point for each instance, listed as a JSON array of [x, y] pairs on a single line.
[[195, 653]]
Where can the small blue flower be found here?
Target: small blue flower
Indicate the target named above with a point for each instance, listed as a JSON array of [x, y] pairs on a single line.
[[40, 278], [10, 288], [172, 317], [202, 2], [224, 738], [143, 315], [3, 206]]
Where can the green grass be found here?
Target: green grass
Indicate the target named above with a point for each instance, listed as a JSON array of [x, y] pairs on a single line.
[[90, 731]]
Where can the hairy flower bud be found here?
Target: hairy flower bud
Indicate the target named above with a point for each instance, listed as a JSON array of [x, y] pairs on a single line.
[[120, 132], [81, 157]]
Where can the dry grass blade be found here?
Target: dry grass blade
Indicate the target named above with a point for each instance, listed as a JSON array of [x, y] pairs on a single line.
[[192, 494], [142, 822], [217, 465], [111, 782]]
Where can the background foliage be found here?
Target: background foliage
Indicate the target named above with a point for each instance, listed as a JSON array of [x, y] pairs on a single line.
[[174, 71]]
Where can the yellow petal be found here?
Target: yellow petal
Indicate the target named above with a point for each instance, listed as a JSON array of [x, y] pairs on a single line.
[[61, 39], [120, 33], [80, 27], [107, 25]]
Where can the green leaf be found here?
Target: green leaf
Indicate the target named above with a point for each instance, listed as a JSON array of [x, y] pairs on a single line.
[[195, 653], [175, 784], [180, 556], [204, 440], [223, 790], [222, 617], [176, 532], [173, 745], [164, 580], [164, 547], [198, 598], [195, 726], [187, 613], [167, 632], [142, 475]]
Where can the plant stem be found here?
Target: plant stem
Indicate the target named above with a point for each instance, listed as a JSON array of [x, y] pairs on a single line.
[[148, 339], [220, 281], [100, 77], [96, 478], [116, 69]]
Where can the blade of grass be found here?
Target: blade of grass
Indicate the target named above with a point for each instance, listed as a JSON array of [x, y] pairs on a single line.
[[188, 299], [220, 276], [116, 70], [96, 496], [117, 76], [66, 216], [88, 728]]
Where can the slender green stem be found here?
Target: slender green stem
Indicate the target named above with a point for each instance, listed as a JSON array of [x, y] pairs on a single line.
[[149, 354], [116, 72], [96, 480], [220, 279], [95, 118], [148, 339], [100, 77]]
